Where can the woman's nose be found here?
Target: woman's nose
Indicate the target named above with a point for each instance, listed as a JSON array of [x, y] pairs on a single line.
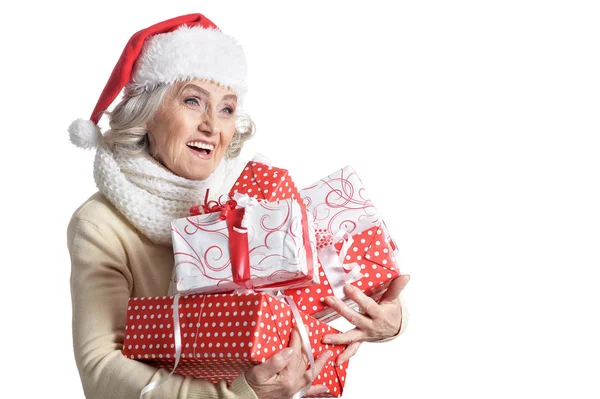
[[208, 124]]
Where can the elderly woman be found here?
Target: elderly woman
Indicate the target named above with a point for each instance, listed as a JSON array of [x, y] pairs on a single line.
[[176, 132]]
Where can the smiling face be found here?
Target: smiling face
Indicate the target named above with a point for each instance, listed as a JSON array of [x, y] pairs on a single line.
[[193, 127]]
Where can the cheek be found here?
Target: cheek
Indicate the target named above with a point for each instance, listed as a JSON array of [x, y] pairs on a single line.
[[169, 140], [228, 135]]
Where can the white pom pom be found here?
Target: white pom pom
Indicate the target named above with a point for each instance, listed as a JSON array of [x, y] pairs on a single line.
[[85, 134]]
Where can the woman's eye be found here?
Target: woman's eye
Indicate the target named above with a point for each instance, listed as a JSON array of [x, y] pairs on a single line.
[[192, 101], [229, 110]]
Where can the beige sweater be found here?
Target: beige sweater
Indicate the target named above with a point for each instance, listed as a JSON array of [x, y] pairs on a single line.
[[110, 262]]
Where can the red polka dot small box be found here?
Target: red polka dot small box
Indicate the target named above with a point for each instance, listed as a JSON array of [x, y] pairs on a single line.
[[260, 238], [222, 335], [364, 251]]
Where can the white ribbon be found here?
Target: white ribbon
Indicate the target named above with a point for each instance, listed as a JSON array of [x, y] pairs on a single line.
[[338, 273], [177, 336], [305, 342], [246, 202]]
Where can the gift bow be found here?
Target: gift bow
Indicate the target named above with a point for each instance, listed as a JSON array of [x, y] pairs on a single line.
[[339, 273], [246, 202]]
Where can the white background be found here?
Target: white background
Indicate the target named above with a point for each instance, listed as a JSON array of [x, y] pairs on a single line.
[[473, 124]]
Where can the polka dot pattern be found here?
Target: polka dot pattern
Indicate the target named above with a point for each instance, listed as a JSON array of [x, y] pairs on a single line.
[[265, 182], [222, 335], [323, 238], [371, 250]]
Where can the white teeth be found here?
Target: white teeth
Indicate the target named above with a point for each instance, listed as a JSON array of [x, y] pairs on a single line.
[[199, 144]]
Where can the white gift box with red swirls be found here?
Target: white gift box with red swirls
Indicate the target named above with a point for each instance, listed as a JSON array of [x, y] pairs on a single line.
[[342, 208], [276, 249]]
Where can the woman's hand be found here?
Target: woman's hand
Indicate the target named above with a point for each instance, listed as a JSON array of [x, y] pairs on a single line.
[[285, 373], [379, 321]]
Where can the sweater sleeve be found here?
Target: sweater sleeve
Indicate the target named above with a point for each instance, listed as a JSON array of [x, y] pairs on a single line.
[[101, 284]]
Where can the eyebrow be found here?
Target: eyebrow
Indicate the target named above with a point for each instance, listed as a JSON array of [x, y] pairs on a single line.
[[206, 93]]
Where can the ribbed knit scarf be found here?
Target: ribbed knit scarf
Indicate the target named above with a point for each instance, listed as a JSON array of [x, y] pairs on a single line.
[[150, 196]]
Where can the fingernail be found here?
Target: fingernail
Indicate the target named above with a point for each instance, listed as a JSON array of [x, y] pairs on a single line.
[[326, 339], [329, 300], [349, 287], [328, 354], [287, 353], [407, 278]]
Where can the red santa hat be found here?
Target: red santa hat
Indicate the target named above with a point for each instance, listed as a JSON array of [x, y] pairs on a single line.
[[185, 47]]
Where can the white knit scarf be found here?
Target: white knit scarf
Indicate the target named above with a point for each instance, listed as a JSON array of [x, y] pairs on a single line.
[[150, 196]]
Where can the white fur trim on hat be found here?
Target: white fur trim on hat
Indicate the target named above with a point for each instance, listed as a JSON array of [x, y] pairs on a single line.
[[192, 53], [85, 134]]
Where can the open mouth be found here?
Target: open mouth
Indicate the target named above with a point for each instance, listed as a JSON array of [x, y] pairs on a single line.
[[202, 149]]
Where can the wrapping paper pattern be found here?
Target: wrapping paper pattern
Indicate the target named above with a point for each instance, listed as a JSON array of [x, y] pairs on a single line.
[[222, 335], [373, 253], [275, 240], [340, 202]]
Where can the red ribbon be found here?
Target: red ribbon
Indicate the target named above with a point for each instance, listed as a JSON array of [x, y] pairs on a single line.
[[238, 237], [208, 206]]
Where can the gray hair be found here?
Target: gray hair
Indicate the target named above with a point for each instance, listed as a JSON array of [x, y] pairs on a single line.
[[128, 135]]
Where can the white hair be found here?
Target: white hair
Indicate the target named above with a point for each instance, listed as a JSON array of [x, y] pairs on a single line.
[[128, 135]]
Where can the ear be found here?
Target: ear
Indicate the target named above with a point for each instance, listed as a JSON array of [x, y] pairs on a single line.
[[150, 140]]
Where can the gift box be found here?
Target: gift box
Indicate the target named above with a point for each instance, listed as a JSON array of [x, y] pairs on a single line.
[[272, 244], [259, 239], [268, 183], [342, 210], [222, 335]]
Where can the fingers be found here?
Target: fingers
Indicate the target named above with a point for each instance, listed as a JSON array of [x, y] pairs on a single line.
[[348, 353], [298, 361], [317, 390], [284, 374], [321, 361], [395, 288], [295, 341], [346, 338], [267, 370], [366, 303], [346, 312]]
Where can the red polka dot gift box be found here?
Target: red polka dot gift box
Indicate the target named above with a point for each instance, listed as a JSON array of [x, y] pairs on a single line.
[[259, 239], [353, 243], [222, 335]]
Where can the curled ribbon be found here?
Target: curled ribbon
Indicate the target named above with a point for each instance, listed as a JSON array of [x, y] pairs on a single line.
[[207, 207], [338, 273]]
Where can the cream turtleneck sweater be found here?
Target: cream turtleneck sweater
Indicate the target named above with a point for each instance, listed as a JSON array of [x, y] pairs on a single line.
[[111, 261]]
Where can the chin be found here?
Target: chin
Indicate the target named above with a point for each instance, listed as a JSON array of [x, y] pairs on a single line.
[[198, 169], [200, 172], [197, 176]]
